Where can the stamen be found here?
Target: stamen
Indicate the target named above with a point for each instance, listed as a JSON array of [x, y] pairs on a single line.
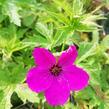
[[55, 70]]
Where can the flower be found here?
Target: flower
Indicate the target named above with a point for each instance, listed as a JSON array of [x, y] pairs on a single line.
[[56, 78]]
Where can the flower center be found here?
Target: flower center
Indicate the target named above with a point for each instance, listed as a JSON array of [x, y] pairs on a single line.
[[55, 70]]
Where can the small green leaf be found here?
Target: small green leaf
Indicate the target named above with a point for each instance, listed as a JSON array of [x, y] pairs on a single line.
[[1, 95], [59, 17], [43, 30], [105, 42], [102, 105], [26, 94], [12, 74], [77, 7], [86, 50], [36, 40], [11, 9], [5, 103], [64, 4], [28, 20]]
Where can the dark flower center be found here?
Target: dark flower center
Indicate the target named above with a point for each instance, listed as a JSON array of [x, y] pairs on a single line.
[[55, 70]]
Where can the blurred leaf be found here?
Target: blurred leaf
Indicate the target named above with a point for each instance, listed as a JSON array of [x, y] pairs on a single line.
[[85, 50], [20, 33], [10, 42], [79, 10], [59, 38], [95, 37], [58, 17], [105, 42], [64, 4], [43, 30], [29, 20], [88, 93], [11, 9], [5, 102], [36, 40], [1, 95], [26, 94], [12, 74], [104, 77], [70, 18], [102, 105]]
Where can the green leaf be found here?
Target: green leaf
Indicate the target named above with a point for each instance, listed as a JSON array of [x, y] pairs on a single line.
[[64, 4], [1, 95], [26, 94], [5, 103], [9, 42], [43, 30], [86, 50], [88, 93], [29, 20], [36, 40], [59, 37], [104, 76], [102, 105], [105, 42], [12, 74], [95, 37], [59, 17], [11, 9], [2, 17], [77, 7], [20, 33]]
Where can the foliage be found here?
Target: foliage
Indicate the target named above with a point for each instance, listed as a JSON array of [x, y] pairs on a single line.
[[53, 24]]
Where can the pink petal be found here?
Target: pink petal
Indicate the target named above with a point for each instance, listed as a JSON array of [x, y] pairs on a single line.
[[43, 57], [77, 77], [58, 92], [68, 56], [38, 79]]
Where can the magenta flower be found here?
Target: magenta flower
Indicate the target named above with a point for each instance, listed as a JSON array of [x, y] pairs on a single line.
[[56, 78]]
